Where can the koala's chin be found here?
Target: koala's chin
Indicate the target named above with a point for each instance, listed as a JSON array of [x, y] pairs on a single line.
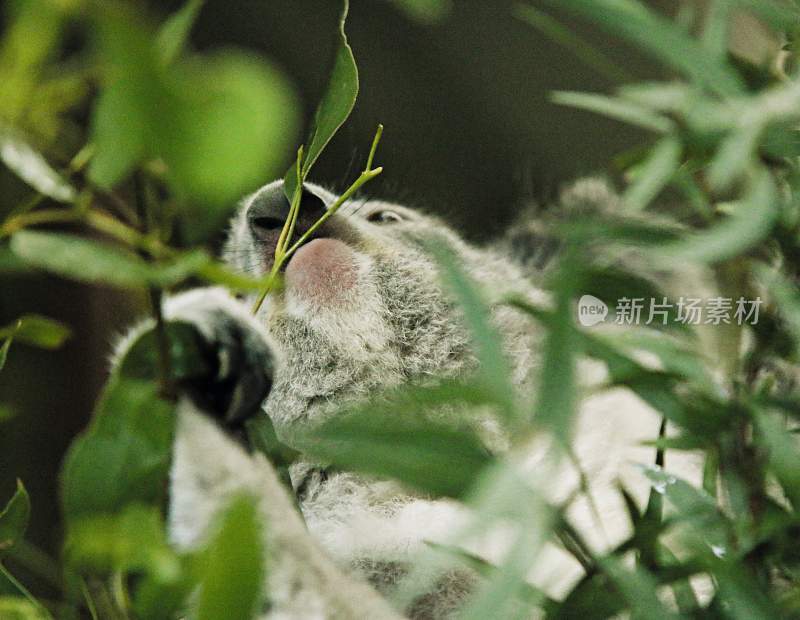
[[362, 310]]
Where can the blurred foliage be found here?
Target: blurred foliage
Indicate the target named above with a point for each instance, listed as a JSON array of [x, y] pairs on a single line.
[[165, 121]]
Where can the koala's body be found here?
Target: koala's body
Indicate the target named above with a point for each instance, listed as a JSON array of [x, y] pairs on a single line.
[[363, 310]]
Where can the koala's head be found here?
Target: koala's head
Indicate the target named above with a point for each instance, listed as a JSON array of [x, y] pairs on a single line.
[[363, 307]]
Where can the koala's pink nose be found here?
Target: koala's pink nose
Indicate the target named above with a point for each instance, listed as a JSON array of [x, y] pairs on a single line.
[[323, 271]]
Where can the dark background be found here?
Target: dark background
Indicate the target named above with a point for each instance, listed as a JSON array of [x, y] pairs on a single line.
[[470, 134]]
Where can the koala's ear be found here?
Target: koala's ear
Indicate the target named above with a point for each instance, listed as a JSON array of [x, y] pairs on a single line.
[[531, 241]]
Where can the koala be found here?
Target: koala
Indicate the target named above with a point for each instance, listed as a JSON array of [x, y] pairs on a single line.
[[363, 309]]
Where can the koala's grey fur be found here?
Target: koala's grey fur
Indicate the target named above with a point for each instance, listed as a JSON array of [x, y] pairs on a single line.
[[397, 324]]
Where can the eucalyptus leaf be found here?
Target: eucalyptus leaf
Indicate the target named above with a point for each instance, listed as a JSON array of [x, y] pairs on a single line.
[[752, 220], [32, 167], [232, 567], [37, 330], [18, 608], [5, 346], [14, 519], [395, 438], [174, 32], [334, 108], [90, 261], [654, 173], [618, 109], [659, 37], [494, 368], [124, 456]]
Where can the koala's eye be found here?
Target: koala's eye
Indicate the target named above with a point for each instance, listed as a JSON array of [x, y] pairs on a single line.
[[385, 216]]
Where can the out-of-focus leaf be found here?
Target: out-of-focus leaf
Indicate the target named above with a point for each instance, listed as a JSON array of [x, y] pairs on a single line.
[[556, 400], [174, 32], [638, 589], [235, 116], [30, 37], [132, 540], [783, 452], [659, 37], [618, 109], [565, 37], [707, 527], [5, 345], [218, 273], [734, 155], [395, 438], [425, 11], [124, 456], [6, 413], [201, 115], [787, 298], [37, 330], [751, 221], [654, 173], [32, 168], [14, 519], [494, 369], [85, 260], [18, 608], [333, 109], [232, 566], [716, 28]]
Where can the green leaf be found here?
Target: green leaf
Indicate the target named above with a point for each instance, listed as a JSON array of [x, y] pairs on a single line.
[[619, 109], [565, 37], [232, 567], [654, 173], [4, 348], [18, 608], [783, 453], [233, 113], [89, 261], [333, 109], [394, 438], [751, 221], [494, 370], [174, 32], [6, 413], [659, 37], [32, 168], [14, 519], [37, 330], [124, 455], [200, 115], [133, 540], [556, 399], [425, 11]]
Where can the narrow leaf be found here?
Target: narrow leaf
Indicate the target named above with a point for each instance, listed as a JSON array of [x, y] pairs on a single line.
[[14, 519], [333, 109], [751, 222], [654, 174], [89, 261], [174, 32], [232, 566]]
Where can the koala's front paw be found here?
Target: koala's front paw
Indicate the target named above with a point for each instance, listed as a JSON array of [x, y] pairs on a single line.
[[239, 363]]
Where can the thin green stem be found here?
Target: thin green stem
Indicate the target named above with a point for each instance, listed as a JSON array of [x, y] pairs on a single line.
[[281, 254], [89, 600], [364, 178], [374, 148], [23, 590]]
